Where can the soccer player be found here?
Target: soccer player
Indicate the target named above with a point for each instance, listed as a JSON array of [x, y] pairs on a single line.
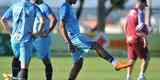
[[136, 33], [80, 44], [42, 44], [22, 16]]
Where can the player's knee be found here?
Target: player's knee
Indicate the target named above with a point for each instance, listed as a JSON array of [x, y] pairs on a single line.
[[131, 62], [145, 61], [16, 56], [49, 68], [47, 63], [79, 61], [46, 60], [148, 58], [15, 61]]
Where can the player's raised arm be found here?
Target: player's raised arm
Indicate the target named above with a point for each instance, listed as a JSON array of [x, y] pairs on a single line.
[[4, 20]]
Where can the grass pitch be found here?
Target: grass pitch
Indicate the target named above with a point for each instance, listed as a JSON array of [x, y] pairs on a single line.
[[94, 68]]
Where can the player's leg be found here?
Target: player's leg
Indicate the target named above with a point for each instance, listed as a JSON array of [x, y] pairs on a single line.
[[108, 57], [102, 52], [25, 57], [42, 46], [83, 45], [15, 61], [77, 65], [143, 68], [144, 56], [75, 69], [48, 69], [132, 56], [86, 43], [47, 63], [15, 67], [130, 69]]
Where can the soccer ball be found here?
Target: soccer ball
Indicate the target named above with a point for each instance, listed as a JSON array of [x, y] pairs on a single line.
[[142, 28]]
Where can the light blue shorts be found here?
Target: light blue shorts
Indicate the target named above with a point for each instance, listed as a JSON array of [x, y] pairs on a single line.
[[84, 44], [41, 46], [23, 51]]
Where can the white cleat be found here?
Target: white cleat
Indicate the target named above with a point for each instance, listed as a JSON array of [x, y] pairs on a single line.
[[128, 78], [141, 78]]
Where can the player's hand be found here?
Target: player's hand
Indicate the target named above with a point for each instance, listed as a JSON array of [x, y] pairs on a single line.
[[141, 34], [129, 39], [145, 42], [44, 34], [37, 34]]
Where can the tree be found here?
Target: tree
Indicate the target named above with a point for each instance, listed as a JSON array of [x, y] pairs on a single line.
[[148, 13], [80, 8], [103, 12]]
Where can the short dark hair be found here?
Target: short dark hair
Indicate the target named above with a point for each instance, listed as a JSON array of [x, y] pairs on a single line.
[[39, 1], [143, 1]]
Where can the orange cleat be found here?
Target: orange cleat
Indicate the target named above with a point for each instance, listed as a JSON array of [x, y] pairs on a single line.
[[121, 65]]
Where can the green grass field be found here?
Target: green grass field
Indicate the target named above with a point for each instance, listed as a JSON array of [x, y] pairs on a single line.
[[93, 69]]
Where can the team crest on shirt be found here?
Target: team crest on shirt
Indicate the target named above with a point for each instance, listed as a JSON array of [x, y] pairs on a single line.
[[17, 36]]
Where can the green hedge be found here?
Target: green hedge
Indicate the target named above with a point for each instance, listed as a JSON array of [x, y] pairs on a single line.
[[59, 47], [5, 48]]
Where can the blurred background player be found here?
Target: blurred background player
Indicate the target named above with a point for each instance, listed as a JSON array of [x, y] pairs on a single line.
[[42, 43], [22, 16], [136, 32], [80, 44]]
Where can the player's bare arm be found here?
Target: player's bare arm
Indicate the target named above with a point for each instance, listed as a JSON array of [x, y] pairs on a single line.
[[6, 25], [124, 25], [41, 25], [65, 36], [53, 22], [124, 28], [62, 33]]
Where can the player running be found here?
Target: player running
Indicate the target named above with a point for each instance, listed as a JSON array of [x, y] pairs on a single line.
[[136, 32], [42, 44], [80, 44], [22, 16]]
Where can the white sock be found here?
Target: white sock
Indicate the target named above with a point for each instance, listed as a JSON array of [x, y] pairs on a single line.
[[128, 78], [128, 75], [141, 74], [114, 62]]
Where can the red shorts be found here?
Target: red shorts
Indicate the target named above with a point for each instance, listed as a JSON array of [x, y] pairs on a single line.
[[136, 50]]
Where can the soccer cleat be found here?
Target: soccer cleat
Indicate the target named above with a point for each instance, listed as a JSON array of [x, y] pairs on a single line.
[[7, 76], [141, 78], [128, 78], [121, 65]]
